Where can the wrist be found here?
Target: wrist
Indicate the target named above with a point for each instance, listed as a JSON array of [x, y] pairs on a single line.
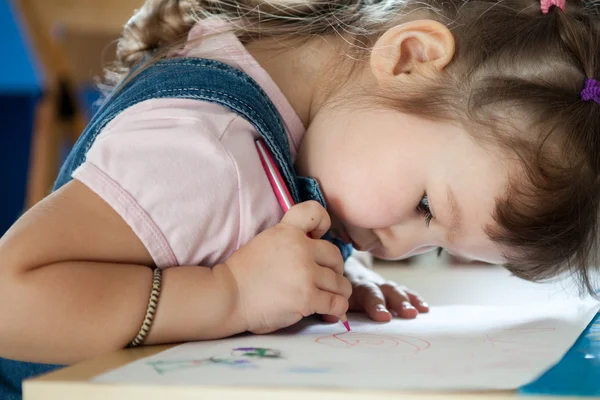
[[234, 315]]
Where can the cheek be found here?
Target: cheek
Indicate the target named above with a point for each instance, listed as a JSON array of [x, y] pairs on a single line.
[[363, 210], [369, 170], [368, 200]]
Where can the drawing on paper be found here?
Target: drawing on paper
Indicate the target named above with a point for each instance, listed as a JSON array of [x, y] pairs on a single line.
[[525, 342], [522, 341], [256, 352], [163, 367], [400, 343], [453, 348], [239, 358], [503, 349]]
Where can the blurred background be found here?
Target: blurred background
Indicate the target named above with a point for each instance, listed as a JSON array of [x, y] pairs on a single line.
[[52, 52]]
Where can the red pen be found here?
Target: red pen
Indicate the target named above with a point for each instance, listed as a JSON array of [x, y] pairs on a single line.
[[281, 191]]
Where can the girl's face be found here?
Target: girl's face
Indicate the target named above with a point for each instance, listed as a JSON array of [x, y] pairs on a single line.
[[398, 185], [395, 185]]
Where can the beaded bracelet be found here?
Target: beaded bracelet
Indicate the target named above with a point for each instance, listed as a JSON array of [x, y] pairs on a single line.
[[154, 295]]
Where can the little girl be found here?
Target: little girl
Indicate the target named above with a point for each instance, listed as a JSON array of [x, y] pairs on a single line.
[[399, 127]]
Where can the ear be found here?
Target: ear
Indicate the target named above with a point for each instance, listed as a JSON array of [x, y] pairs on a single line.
[[419, 47]]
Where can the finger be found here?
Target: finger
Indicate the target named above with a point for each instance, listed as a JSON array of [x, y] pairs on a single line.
[[328, 255], [310, 217], [330, 318], [398, 300], [417, 301], [370, 298], [328, 280], [328, 303]]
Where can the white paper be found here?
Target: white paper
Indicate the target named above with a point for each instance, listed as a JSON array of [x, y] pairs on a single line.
[[456, 347]]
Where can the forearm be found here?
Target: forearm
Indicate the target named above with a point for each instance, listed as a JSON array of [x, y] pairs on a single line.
[[199, 304], [67, 312]]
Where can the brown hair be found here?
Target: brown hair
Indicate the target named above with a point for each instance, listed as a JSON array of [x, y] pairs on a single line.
[[511, 59]]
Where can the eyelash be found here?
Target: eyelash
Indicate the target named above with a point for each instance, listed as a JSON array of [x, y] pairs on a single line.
[[424, 209]]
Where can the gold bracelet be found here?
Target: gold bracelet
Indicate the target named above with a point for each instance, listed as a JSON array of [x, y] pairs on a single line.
[[141, 336]]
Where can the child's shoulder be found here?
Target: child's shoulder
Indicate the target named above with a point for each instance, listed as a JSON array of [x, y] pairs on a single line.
[[172, 114], [177, 168]]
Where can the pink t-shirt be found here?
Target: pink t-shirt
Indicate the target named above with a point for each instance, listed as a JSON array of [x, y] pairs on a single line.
[[185, 174]]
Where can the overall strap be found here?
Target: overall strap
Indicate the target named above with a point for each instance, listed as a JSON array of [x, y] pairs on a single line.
[[199, 79]]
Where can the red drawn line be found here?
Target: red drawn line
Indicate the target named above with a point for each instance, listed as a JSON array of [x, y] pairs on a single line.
[[350, 340]]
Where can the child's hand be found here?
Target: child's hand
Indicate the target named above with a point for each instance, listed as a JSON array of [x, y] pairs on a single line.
[[283, 276], [378, 297]]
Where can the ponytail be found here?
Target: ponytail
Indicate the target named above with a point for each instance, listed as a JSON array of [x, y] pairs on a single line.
[[155, 26]]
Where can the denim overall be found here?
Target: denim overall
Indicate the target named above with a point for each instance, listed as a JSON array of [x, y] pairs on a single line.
[[184, 78]]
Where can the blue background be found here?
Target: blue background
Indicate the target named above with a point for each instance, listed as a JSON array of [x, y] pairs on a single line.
[[21, 84]]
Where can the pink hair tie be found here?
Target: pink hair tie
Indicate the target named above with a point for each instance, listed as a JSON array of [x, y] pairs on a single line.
[[548, 4], [591, 91]]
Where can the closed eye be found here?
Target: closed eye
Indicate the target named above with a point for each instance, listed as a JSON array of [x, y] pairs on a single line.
[[423, 209]]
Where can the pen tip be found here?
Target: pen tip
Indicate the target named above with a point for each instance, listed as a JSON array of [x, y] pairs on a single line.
[[347, 325]]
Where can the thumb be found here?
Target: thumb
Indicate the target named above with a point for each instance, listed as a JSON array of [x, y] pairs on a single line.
[[310, 217], [330, 318]]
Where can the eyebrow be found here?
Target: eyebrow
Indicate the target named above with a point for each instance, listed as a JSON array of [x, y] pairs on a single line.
[[455, 216]]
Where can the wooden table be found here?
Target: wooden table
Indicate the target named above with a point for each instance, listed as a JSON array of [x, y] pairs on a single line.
[[430, 281]]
